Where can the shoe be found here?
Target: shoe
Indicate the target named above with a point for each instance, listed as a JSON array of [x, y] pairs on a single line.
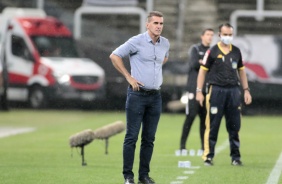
[[146, 180], [208, 162], [129, 181], [237, 163]]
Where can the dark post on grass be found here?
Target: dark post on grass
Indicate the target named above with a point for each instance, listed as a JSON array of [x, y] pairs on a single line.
[[81, 139]]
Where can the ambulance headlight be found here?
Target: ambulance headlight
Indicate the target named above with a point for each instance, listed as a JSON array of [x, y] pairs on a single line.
[[63, 79]]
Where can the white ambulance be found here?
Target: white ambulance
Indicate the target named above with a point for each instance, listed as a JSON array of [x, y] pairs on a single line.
[[42, 61]]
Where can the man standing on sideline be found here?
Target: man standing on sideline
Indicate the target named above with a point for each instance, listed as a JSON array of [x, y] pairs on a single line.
[[224, 64], [1, 78], [196, 54], [1, 85], [1, 81], [147, 53]]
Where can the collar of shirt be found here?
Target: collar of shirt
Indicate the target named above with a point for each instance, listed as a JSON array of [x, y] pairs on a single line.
[[222, 50], [149, 39], [206, 47]]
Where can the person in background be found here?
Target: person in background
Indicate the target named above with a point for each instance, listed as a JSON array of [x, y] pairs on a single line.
[[1, 78], [4, 105], [226, 73], [147, 53], [193, 108]]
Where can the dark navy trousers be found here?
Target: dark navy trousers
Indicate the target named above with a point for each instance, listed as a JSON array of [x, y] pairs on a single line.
[[194, 109], [142, 108], [223, 101]]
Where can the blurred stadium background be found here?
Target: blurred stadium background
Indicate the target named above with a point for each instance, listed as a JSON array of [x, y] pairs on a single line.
[[184, 19]]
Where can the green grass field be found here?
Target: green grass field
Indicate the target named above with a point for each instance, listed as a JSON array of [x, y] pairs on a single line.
[[44, 156]]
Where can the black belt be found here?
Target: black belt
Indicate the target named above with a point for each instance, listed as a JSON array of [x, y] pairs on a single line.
[[147, 91]]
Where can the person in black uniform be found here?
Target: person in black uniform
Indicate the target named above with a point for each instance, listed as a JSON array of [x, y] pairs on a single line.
[[223, 63], [196, 54], [1, 78]]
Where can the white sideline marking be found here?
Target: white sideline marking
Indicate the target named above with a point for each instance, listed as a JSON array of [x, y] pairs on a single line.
[[218, 149], [182, 177], [276, 172], [176, 182], [194, 167], [222, 147], [8, 131], [189, 172]]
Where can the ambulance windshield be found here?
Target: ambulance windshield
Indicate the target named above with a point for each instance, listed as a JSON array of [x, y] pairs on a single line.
[[49, 46]]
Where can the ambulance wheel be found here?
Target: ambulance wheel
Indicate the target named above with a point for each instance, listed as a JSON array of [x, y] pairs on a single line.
[[37, 98]]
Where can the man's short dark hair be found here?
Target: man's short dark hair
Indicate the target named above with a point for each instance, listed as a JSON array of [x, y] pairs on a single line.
[[224, 25], [208, 29], [154, 13]]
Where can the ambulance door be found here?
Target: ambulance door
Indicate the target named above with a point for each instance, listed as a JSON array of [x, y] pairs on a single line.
[[20, 65]]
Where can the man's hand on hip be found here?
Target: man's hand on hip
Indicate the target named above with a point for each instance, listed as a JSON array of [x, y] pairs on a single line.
[[134, 83]]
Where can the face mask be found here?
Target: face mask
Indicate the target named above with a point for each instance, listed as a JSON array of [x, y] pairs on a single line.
[[226, 39]]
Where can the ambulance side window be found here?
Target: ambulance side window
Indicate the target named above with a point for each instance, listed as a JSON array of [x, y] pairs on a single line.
[[20, 49]]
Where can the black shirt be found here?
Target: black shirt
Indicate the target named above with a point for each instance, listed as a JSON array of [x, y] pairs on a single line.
[[196, 52], [223, 68]]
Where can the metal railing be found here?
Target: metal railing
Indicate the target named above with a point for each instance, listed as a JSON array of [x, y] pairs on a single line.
[[259, 14], [40, 4], [111, 10]]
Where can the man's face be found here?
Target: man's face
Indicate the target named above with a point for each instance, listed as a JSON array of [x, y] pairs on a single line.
[[226, 31], [207, 37], [155, 26]]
